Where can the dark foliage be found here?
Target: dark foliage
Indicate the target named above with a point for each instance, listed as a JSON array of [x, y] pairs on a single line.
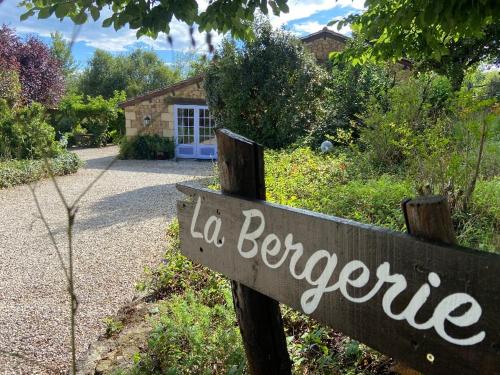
[[270, 90], [38, 70], [147, 146]]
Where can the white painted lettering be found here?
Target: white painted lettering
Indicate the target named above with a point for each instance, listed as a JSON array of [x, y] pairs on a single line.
[[214, 238], [244, 235]]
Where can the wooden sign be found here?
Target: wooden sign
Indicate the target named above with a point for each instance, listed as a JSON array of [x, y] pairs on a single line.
[[432, 306]]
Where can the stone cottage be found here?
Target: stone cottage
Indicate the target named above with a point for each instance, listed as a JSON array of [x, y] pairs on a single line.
[[180, 111]]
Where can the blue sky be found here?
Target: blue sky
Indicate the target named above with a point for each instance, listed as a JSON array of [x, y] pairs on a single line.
[[305, 17]]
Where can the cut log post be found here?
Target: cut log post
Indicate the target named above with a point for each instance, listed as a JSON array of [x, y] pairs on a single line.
[[429, 218], [426, 217], [241, 171]]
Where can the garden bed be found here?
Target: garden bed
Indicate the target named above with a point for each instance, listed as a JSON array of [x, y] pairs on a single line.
[[192, 305], [17, 172]]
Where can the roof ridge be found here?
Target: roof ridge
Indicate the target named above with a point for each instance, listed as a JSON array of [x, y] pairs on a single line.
[[326, 31], [161, 91]]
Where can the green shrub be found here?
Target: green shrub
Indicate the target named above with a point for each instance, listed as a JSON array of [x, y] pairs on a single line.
[[24, 134], [391, 132], [147, 146], [88, 120], [190, 337], [113, 326], [16, 172], [10, 86], [194, 330], [479, 227], [269, 90], [329, 184], [432, 137]]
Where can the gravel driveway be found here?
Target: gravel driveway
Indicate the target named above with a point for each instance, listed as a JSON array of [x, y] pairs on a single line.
[[120, 229]]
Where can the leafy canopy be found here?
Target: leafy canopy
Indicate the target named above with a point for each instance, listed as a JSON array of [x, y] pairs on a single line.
[[398, 28], [62, 52], [134, 73], [154, 16], [447, 36]]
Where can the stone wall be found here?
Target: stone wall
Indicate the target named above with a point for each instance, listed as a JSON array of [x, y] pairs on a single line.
[[321, 47], [160, 109]]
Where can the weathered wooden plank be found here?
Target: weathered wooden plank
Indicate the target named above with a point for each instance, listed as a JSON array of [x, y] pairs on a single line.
[[427, 333]]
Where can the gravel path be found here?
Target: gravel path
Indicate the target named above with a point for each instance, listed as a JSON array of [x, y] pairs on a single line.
[[120, 229]]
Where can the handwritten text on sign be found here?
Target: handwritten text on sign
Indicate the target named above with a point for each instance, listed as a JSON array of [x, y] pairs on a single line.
[[342, 272]]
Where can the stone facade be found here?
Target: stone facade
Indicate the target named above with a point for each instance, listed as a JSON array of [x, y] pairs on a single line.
[[159, 107], [324, 42], [321, 48]]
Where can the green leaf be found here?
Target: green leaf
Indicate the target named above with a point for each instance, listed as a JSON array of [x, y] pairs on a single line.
[[45, 12], [107, 22], [63, 9], [27, 15], [79, 18], [94, 12]]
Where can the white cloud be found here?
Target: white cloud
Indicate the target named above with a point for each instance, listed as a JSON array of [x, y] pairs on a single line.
[[305, 8], [307, 27], [314, 26]]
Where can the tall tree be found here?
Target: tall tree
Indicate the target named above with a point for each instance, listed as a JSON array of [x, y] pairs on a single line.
[[38, 70], [136, 73], [448, 36], [146, 71], [62, 52], [102, 76], [152, 17]]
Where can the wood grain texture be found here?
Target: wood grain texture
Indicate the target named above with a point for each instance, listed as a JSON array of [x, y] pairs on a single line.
[[426, 217], [241, 172], [460, 270]]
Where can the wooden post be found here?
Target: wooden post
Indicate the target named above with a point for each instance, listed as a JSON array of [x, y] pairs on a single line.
[[426, 217], [429, 218], [241, 171]]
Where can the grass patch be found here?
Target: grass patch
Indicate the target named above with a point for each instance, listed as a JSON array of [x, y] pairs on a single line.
[[194, 330], [190, 337], [17, 172]]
